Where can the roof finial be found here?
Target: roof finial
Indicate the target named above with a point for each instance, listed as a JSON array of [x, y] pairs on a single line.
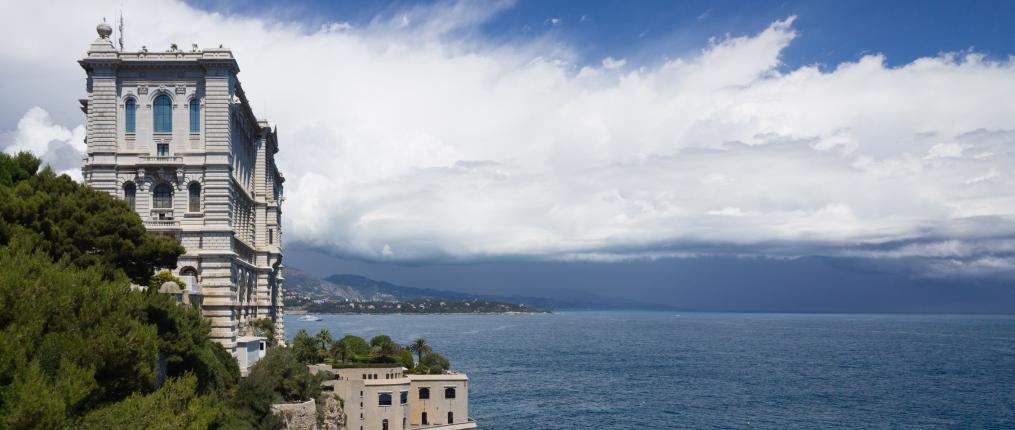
[[104, 29]]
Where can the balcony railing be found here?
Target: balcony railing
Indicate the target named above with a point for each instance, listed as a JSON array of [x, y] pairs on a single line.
[[161, 160], [161, 224]]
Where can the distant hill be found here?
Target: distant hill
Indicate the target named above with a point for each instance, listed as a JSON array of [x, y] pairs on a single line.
[[362, 289], [298, 281]]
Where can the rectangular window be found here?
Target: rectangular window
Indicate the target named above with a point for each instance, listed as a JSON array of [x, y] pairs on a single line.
[[195, 116], [162, 115], [271, 236], [384, 399], [162, 149], [403, 397], [130, 116]]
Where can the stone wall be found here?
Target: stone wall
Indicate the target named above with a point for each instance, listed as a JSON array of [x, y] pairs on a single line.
[[333, 411], [297, 416]]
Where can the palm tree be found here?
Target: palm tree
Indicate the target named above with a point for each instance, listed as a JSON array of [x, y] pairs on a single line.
[[420, 347], [305, 348], [324, 340]]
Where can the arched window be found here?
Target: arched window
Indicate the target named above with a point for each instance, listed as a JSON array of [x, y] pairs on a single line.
[[384, 399], [195, 116], [451, 417], [130, 116], [129, 192], [163, 196], [163, 114], [424, 393], [449, 393], [188, 271], [425, 421], [195, 197], [384, 424]]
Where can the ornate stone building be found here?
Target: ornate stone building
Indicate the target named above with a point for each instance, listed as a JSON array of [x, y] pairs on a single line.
[[172, 133]]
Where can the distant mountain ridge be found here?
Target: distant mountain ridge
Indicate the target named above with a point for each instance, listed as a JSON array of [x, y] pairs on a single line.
[[360, 288]]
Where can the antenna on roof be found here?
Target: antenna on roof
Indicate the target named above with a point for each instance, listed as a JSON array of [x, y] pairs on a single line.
[[120, 40]]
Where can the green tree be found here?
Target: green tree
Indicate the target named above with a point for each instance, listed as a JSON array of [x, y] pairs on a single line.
[[74, 327], [68, 220], [419, 347], [324, 341], [384, 350], [156, 281], [186, 346], [277, 377], [340, 350], [305, 348], [380, 340], [405, 359], [265, 327], [176, 405], [434, 363], [78, 347], [357, 346]]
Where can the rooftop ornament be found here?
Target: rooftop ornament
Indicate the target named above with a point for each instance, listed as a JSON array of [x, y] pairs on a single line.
[[104, 29]]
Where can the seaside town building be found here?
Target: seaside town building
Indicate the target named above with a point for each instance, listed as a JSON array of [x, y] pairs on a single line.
[[388, 398], [172, 133]]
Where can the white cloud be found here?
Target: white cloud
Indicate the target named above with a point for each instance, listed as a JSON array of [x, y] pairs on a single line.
[[610, 63], [58, 146], [414, 133]]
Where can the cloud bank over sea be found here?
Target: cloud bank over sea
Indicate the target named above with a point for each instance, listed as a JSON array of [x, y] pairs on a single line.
[[413, 138]]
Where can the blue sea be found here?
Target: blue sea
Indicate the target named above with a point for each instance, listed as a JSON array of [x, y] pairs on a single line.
[[663, 370]]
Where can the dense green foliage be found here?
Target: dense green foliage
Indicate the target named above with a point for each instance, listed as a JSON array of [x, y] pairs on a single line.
[[175, 405], [68, 220], [278, 377], [79, 348], [305, 348], [354, 351], [432, 363], [265, 328], [357, 346]]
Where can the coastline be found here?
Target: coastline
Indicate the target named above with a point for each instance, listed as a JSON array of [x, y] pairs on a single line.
[[304, 312]]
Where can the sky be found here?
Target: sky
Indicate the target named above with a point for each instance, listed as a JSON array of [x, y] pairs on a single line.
[[771, 156]]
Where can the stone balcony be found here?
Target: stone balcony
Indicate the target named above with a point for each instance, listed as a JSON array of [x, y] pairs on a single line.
[[161, 224], [159, 160]]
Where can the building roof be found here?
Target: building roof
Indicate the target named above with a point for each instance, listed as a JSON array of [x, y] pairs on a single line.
[[441, 377], [249, 339]]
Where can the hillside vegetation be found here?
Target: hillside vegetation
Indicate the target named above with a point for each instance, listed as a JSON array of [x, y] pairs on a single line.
[[80, 349]]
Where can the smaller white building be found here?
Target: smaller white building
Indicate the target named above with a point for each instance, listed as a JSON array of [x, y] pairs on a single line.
[[388, 398], [249, 349]]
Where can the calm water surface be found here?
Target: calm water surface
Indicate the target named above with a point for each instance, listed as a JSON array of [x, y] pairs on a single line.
[[656, 370]]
